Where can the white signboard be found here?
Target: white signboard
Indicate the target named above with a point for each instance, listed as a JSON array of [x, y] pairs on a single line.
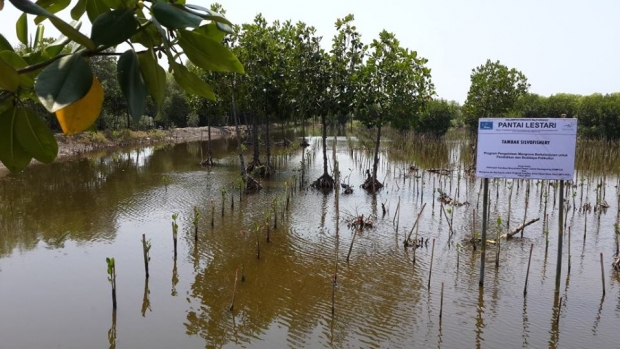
[[526, 148]]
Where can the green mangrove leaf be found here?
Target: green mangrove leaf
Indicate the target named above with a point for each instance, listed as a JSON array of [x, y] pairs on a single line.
[[191, 83], [10, 78], [114, 27], [154, 76], [63, 82], [207, 14], [78, 10], [94, 9], [5, 44], [53, 6], [38, 38], [132, 83], [208, 53], [174, 16], [35, 137], [17, 62], [12, 155], [211, 30], [21, 28]]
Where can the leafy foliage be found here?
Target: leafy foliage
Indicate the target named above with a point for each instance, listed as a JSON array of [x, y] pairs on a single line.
[[493, 92], [65, 82]]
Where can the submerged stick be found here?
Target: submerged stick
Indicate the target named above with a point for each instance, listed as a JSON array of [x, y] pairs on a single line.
[[520, 228], [416, 222], [351, 246], [527, 273]]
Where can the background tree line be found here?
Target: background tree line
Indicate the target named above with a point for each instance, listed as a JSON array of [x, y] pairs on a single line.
[[289, 78]]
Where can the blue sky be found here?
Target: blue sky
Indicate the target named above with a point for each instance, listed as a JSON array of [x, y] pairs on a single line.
[[560, 45]]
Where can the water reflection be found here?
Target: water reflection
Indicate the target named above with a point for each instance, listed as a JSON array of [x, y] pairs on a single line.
[[300, 292]]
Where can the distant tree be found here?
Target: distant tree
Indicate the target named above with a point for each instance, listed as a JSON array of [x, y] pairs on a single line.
[[436, 117], [493, 92], [393, 79]]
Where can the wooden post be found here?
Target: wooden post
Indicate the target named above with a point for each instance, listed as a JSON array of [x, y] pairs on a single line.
[[558, 270], [527, 273], [485, 214]]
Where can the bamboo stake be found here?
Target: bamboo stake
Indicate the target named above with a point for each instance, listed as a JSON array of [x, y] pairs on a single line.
[[527, 273], [430, 271], [602, 274], [441, 303]]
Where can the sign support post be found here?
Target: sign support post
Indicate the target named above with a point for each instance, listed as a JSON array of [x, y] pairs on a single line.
[[485, 216], [558, 268]]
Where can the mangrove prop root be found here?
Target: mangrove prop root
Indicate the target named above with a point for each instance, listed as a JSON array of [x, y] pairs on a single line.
[[324, 182]]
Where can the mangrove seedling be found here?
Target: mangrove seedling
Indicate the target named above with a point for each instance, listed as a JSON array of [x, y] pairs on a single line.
[[274, 204], [166, 180], [195, 222], [268, 224], [175, 231], [146, 247], [212, 213], [256, 229], [223, 200], [112, 279]]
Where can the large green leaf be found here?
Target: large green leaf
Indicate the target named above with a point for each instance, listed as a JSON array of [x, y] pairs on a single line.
[[10, 78], [132, 84], [38, 38], [94, 9], [63, 82], [208, 53], [78, 10], [17, 62], [64, 27], [35, 137], [114, 4], [149, 36], [114, 27], [207, 14], [174, 16], [53, 49], [21, 27], [211, 30], [191, 83], [12, 155], [154, 76], [52, 6], [5, 44]]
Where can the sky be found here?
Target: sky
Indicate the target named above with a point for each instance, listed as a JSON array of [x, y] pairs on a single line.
[[562, 46]]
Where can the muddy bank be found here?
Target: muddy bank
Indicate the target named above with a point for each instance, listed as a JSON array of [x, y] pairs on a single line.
[[87, 143]]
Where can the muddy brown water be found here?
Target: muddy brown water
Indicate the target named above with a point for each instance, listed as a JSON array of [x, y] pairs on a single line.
[[58, 223]]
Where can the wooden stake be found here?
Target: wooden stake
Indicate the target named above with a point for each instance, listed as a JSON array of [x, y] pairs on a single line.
[[441, 303], [602, 274], [145, 254], [527, 273], [430, 271]]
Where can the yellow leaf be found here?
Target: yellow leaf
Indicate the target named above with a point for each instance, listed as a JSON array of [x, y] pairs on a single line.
[[81, 114]]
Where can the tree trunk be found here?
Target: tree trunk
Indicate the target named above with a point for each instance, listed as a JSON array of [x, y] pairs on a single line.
[[323, 119], [256, 158], [268, 144], [376, 162], [234, 111]]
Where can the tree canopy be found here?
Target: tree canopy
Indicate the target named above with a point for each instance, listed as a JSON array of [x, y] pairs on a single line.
[[494, 90]]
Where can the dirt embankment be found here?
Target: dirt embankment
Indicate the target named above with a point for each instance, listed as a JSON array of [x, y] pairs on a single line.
[[70, 147]]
